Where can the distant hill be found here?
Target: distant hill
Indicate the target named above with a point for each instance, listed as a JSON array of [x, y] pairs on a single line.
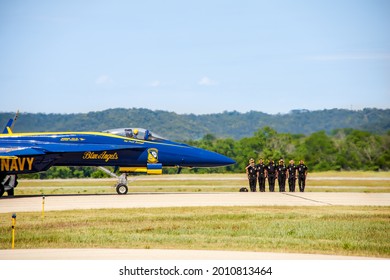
[[189, 126]]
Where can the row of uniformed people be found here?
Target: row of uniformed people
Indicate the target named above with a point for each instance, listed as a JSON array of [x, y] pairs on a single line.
[[271, 171]]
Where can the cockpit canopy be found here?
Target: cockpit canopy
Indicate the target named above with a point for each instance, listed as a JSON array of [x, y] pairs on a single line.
[[135, 133]]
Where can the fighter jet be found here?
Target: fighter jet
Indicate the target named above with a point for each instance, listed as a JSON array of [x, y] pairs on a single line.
[[129, 149]]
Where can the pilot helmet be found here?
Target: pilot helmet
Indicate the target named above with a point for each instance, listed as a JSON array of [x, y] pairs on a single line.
[[135, 131]]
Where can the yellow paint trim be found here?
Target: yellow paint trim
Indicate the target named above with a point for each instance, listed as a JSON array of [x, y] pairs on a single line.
[[133, 169], [154, 171], [141, 170]]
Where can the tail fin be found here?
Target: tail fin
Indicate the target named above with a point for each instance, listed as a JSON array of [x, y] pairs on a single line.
[[10, 124]]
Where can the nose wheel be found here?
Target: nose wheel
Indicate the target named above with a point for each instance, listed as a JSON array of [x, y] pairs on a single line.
[[121, 188]]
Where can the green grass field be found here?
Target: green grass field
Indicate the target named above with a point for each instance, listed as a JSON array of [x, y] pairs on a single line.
[[357, 231]]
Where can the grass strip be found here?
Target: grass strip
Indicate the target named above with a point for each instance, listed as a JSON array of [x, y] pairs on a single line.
[[341, 230]]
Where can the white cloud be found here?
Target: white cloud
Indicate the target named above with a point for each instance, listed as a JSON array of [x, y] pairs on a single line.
[[104, 80], [206, 81]]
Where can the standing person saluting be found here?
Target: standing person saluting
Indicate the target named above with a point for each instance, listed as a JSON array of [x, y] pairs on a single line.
[[281, 172], [291, 175], [251, 172], [271, 170], [302, 173], [261, 174]]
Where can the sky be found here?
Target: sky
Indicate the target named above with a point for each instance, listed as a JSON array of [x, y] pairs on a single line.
[[196, 57]]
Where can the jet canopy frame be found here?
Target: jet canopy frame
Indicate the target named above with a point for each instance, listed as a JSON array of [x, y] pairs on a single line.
[[136, 133]]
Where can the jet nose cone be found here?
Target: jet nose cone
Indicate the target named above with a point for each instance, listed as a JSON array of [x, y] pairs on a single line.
[[203, 158], [221, 160]]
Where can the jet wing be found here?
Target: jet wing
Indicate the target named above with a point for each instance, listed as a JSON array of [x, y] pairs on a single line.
[[14, 152], [19, 151]]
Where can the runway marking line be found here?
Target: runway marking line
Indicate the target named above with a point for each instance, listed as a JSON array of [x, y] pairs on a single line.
[[326, 203]]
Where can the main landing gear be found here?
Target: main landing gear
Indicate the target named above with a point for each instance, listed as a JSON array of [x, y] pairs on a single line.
[[7, 184]]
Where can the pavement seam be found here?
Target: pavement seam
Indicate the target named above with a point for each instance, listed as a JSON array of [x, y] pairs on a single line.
[[317, 201]]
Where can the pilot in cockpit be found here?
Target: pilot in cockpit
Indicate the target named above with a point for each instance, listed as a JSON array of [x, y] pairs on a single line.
[[129, 132], [135, 133]]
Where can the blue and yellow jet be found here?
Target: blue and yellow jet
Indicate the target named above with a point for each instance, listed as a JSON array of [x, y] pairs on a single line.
[[130, 149]]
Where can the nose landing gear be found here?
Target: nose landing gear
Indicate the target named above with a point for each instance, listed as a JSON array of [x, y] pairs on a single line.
[[121, 186]]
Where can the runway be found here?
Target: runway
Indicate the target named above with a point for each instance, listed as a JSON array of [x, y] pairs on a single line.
[[159, 254], [148, 200]]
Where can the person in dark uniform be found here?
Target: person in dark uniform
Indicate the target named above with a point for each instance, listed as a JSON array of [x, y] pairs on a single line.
[[302, 173], [261, 174], [271, 172], [291, 175], [251, 172], [281, 171]]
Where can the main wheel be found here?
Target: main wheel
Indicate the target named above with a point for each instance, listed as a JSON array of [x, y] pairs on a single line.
[[121, 189]]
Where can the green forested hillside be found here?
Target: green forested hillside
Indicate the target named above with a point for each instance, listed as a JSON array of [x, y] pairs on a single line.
[[193, 127]]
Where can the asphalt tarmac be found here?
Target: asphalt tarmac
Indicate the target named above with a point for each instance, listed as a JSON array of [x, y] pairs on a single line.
[[158, 254], [148, 200]]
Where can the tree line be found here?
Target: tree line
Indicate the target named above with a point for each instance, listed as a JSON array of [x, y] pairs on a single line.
[[342, 149]]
